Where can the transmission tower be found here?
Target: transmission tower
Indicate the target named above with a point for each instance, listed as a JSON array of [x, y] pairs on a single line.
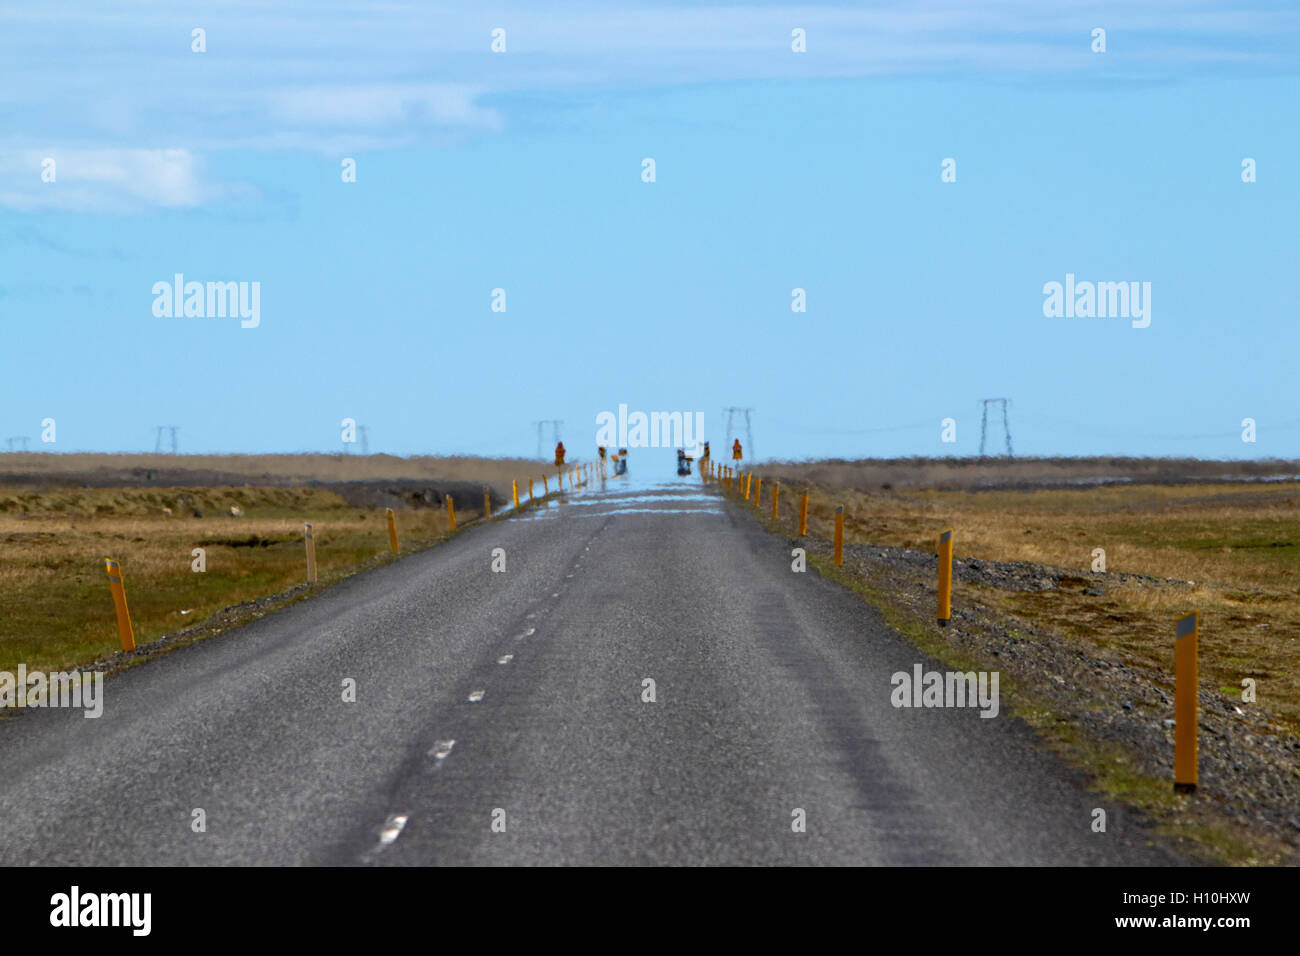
[[749, 430], [984, 422], [365, 443], [18, 438], [555, 424]]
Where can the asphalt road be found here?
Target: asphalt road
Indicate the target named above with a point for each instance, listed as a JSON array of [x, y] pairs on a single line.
[[516, 698]]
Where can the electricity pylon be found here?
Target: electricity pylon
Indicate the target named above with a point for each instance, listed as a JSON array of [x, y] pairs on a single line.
[[749, 431], [984, 422], [555, 424], [158, 441]]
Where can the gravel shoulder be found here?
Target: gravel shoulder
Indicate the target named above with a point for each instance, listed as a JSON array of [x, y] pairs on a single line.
[[1108, 715]]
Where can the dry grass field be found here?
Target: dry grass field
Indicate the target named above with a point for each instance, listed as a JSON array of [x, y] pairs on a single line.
[[45, 469], [1238, 544], [61, 515], [974, 474]]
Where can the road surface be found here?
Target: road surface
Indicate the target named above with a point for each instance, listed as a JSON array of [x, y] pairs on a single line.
[[499, 719]]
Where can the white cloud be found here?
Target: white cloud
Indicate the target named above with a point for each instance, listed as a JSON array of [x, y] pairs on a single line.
[[115, 81], [377, 105], [108, 181]]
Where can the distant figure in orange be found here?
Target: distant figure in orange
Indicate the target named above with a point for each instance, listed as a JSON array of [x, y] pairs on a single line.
[[735, 451], [559, 453]]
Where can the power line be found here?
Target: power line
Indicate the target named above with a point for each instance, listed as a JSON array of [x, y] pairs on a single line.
[[782, 423]]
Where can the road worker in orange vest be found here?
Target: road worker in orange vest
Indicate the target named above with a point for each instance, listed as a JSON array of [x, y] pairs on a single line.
[[735, 451], [559, 454]]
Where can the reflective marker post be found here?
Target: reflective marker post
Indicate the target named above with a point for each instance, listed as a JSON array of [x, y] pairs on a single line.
[[392, 530], [124, 630], [839, 535], [1185, 699], [310, 539], [945, 578]]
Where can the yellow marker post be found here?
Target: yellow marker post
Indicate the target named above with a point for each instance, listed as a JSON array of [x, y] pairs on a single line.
[[530, 490], [451, 514], [487, 503], [392, 531], [514, 489], [776, 494], [839, 535], [758, 492], [124, 630], [1185, 698], [803, 515], [945, 578], [748, 479], [310, 538]]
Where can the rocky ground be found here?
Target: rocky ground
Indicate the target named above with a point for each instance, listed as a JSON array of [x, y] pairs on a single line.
[[1249, 764]]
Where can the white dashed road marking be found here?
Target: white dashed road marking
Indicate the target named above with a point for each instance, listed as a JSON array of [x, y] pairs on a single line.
[[392, 828], [441, 749]]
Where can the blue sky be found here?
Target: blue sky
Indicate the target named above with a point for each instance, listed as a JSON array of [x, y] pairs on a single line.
[[775, 170]]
